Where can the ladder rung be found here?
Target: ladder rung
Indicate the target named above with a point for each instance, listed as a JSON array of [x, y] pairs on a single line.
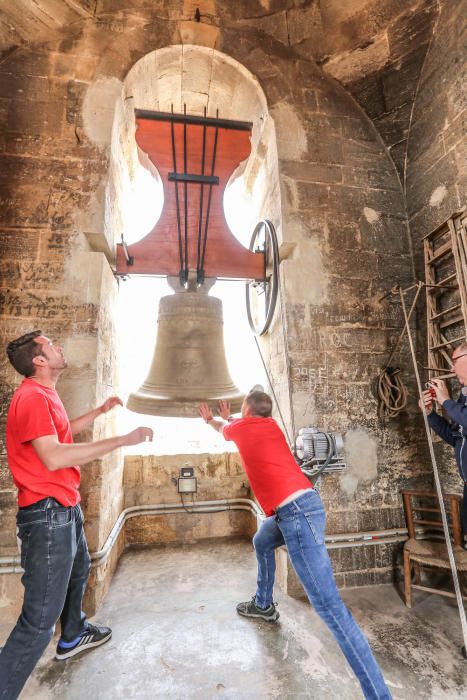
[[432, 510], [448, 342], [452, 321], [448, 375], [448, 278], [446, 311], [438, 591], [440, 288], [438, 369], [432, 523], [441, 252]]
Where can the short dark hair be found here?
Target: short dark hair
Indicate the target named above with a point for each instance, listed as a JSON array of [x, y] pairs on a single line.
[[22, 351], [259, 403]]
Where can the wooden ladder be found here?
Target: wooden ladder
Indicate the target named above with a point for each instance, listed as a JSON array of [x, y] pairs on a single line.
[[445, 251]]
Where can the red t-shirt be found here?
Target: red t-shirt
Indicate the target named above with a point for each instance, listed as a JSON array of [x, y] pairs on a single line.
[[35, 411], [269, 464]]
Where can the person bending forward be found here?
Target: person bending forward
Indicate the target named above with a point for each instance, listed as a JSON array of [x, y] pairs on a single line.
[[296, 518]]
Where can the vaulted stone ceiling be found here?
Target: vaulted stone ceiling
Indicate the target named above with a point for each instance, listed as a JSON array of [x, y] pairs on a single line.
[[375, 48]]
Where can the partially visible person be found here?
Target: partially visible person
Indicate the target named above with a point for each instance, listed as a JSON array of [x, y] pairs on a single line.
[[454, 432], [296, 518], [54, 555]]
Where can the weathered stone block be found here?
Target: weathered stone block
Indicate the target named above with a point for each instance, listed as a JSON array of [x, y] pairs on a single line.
[[16, 246], [34, 62], [8, 542], [342, 234], [309, 99], [101, 576], [11, 595], [412, 28], [428, 218], [357, 129], [353, 566], [6, 477], [385, 232], [184, 527], [312, 172], [420, 194], [323, 151], [8, 500]]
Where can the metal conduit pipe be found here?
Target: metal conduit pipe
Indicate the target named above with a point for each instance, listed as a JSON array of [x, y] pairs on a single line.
[[199, 507], [12, 565]]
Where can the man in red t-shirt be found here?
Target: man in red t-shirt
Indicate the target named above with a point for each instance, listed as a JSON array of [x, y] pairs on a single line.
[[295, 518], [44, 463]]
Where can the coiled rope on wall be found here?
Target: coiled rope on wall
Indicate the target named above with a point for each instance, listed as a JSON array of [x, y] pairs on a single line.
[[390, 392], [388, 387]]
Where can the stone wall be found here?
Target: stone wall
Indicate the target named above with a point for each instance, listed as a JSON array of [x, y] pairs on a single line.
[[51, 278], [150, 480], [366, 565], [436, 175], [344, 224], [436, 156], [380, 57]]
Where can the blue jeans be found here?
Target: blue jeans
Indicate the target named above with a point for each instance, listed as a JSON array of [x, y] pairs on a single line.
[[300, 525], [56, 563]]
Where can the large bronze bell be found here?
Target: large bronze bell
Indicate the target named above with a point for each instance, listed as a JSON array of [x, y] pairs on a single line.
[[189, 364]]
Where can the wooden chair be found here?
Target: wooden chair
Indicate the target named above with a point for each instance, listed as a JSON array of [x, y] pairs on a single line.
[[426, 546]]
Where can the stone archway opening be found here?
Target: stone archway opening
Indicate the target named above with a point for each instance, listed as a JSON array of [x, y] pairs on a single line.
[[200, 79]]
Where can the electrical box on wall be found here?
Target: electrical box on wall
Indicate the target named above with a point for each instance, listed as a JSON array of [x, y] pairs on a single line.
[[187, 480]]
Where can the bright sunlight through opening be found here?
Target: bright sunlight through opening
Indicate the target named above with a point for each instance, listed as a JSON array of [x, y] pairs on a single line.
[[138, 309]]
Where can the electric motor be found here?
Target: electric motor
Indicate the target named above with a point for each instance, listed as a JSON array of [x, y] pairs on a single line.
[[314, 446]]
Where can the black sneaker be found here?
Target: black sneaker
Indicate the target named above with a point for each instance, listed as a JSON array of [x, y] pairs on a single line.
[[93, 636], [250, 609]]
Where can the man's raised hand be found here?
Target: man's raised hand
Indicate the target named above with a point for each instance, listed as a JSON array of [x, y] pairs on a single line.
[[205, 412], [138, 435], [223, 408], [427, 400], [441, 390], [110, 403]]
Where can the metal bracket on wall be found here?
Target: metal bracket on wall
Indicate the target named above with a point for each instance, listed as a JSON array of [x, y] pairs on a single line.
[[129, 258]]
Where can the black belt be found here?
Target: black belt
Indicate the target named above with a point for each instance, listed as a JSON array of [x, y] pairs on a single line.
[[48, 502]]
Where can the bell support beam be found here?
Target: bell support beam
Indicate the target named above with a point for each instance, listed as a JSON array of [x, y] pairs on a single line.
[[195, 158]]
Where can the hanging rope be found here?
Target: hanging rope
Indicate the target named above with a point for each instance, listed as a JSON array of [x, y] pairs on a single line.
[[287, 360], [291, 445]]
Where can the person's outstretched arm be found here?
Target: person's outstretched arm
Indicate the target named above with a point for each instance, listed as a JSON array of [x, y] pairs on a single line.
[[82, 422], [206, 414], [57, 455]]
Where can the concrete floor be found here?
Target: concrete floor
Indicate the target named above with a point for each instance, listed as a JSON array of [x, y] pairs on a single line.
[[176, 635]]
